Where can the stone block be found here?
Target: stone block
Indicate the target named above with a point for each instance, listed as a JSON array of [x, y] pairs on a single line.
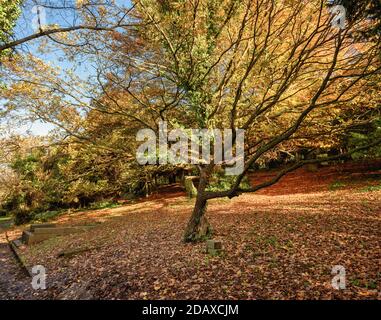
[[44, 231], [213, 247], [32, 238]]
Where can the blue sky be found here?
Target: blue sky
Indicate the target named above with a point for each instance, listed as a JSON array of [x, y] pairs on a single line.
[[24, 28]]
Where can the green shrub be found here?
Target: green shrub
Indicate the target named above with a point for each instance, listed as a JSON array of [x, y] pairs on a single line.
[[364, 137], [3, 212], [104, 205], [221, 182], [22, 216]]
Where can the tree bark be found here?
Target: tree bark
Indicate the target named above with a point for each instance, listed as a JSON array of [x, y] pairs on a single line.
[[198, 228]]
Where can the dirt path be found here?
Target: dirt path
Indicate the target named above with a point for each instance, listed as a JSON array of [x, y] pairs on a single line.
[[13, 283]]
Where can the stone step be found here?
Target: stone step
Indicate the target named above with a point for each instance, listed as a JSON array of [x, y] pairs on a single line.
[[31, 237]]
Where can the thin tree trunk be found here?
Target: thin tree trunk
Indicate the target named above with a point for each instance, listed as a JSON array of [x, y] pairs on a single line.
[[198, 228]]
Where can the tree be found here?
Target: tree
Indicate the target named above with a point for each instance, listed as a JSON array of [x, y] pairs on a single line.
[[257, 65], [280, 70]]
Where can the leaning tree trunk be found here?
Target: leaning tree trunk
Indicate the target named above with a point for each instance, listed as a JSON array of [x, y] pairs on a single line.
[[198, 228]]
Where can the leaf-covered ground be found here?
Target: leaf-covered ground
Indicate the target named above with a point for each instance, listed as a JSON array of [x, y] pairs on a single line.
[[279, 244], [13, 283]]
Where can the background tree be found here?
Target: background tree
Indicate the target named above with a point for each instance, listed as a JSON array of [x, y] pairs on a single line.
[[9, 13]]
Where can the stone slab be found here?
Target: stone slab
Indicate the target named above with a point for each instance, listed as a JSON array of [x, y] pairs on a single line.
[[44, 233], [32, 238], [34, 227], [60, 230]]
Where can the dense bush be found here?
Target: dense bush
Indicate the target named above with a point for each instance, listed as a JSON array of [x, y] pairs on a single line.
[[363, 136], [51, 179]]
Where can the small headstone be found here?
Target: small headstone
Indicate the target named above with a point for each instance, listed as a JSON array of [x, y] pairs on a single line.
[[213, 247]]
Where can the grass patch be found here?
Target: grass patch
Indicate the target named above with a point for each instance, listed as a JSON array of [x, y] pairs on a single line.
[[47, 215], [270, 241], [336, 185], [355, 282], [371, 284], [104, 205], [371, 188], [52, 214]]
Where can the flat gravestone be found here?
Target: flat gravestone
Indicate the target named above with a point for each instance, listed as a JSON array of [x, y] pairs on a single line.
[[41, 232], [33, 227]]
